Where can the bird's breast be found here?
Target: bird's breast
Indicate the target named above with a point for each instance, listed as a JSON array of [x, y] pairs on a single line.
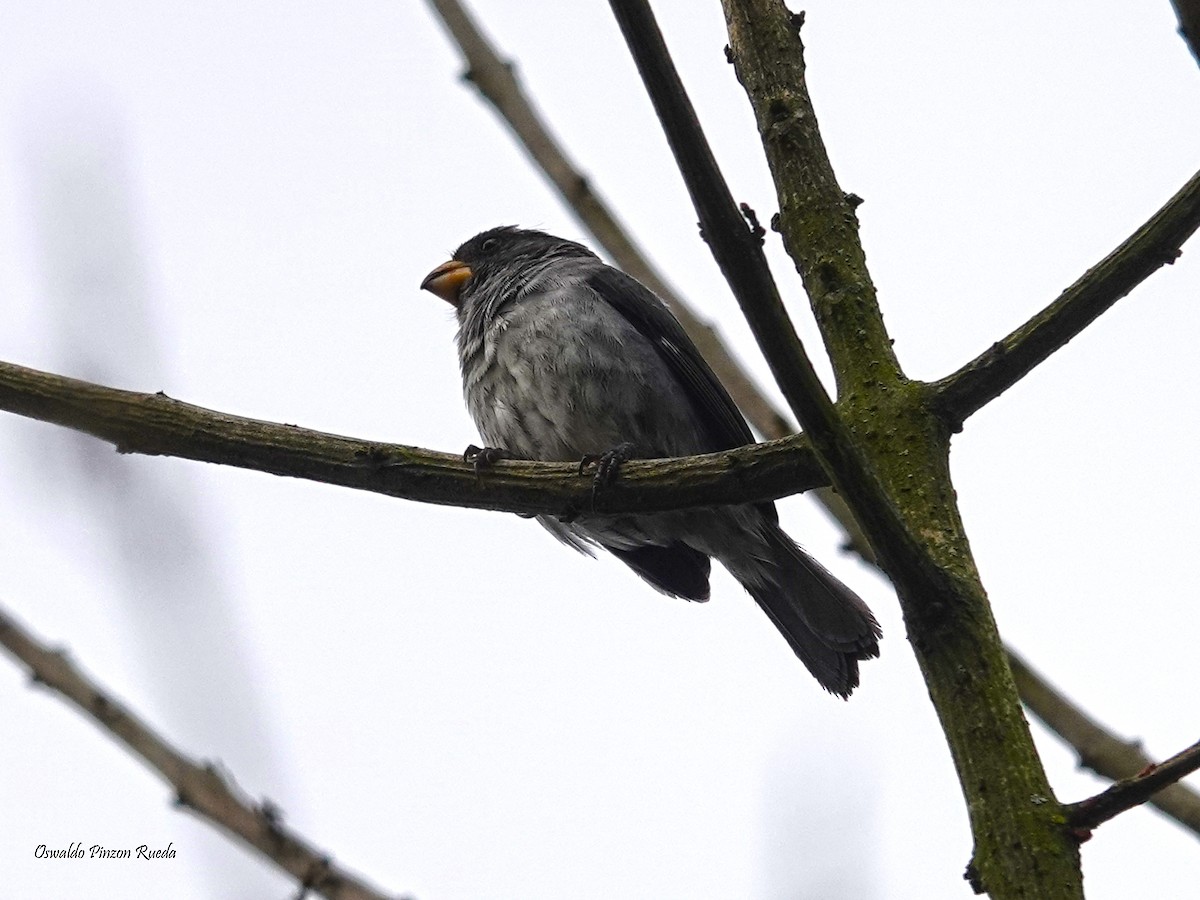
[[549, 379]]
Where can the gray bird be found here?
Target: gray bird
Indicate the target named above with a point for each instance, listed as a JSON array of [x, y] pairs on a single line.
[[566, 358]]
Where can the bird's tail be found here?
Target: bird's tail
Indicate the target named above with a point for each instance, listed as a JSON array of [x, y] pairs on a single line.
[[828, 626]]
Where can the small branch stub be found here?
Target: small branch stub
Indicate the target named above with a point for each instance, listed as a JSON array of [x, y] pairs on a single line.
[[1124, 795]]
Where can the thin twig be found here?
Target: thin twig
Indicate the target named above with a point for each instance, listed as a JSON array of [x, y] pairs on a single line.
[[1188, 12], [1099, 749], [1087, 814], [158, 425], [497, 83], [201, 787], [1155, 244]]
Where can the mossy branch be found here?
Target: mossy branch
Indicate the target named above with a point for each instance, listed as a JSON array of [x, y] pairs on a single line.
[[892, 469]]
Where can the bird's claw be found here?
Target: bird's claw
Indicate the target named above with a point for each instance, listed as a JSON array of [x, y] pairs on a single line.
[[607, 464], [483, 457]]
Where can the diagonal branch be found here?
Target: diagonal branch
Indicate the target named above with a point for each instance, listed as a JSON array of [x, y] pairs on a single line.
[[1099, 750], [1133, 791], [200, 787], [1155, 244], [738, 251], [497, 83], [157, 425]]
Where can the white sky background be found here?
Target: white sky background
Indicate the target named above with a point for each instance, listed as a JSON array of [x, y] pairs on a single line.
[[465, 708]]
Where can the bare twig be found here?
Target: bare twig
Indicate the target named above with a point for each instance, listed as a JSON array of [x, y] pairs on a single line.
[[1087, 814], [1188, 12], [200, 787], [157, 425], [1099, 749], [1155, 244], [497, 83]]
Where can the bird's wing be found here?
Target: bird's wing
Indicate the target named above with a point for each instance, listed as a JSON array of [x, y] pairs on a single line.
[[722, 421], [719, 416]]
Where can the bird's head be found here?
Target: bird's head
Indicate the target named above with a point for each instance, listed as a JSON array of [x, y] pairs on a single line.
[[497, 260]]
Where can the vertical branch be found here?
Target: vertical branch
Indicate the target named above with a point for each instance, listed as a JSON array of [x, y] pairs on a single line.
[[817, 219], [903, 494]]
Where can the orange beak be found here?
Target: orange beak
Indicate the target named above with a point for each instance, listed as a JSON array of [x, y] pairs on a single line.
[[447, 280]]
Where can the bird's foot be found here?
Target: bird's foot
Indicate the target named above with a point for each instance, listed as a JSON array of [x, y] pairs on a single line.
[[607, 465], [483, 457]]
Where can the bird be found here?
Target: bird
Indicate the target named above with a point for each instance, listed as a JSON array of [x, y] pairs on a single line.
[[565, 358]]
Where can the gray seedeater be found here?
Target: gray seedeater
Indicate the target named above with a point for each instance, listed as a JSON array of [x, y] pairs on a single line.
[[566, 358]]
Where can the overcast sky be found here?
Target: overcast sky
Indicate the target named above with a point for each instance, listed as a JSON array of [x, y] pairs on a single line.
[[449, 701]]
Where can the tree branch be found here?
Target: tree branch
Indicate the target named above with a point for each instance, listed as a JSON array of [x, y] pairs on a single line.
[[497, 83], [1188, 12], [199, 787], [1006, 362], [1099, 750], [738, 252], [888, 456], [157, 425], [1131, 792]]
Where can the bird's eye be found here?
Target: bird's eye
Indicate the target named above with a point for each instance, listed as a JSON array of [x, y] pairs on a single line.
[[488, 245]]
